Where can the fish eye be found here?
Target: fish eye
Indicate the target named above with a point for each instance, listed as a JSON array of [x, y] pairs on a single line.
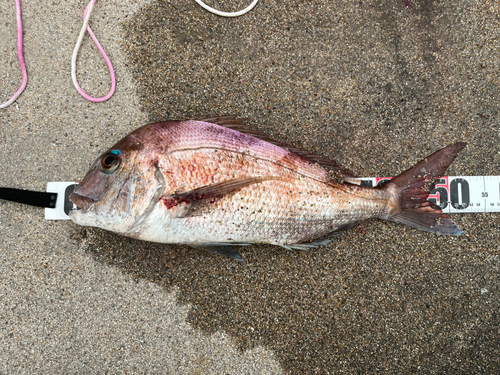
[[110, 163]]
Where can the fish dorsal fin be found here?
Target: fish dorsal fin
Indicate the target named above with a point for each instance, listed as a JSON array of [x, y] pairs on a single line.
[[235, 123], [203, 196], [226, 121]]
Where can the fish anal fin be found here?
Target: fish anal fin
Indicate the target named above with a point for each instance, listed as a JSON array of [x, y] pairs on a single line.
[[323, 240], [209, 194], [218, 249]]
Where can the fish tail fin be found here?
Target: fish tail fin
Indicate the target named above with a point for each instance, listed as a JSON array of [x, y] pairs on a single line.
[[409, 192]]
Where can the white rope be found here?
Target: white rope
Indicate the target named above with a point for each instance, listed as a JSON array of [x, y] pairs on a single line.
[[227, 14], [79, 42], [85, 27]]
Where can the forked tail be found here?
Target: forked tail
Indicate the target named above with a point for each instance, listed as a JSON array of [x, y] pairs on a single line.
[[409, 192]]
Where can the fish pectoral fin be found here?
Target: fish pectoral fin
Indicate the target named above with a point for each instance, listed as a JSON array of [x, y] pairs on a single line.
[[218, 249], [205, 195]]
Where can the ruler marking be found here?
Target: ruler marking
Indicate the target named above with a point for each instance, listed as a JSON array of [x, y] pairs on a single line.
[[460, 193], [485, 193]]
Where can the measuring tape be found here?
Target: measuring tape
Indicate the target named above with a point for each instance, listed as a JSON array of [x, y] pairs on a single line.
[[459, 194], [454, 194]]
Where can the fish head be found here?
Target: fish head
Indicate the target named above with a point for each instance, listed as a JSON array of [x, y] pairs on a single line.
[[120, 187]]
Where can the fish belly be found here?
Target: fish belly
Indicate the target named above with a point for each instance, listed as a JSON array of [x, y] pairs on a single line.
[[276, 212]]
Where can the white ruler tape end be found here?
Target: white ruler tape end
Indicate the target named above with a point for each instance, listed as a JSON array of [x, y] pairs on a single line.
[[63, 204]]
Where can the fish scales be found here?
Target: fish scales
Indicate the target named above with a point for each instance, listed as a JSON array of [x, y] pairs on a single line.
[[198, 182], [298, 207]]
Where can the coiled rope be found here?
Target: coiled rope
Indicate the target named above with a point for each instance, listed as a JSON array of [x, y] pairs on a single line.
[[21, 58], [86, 27]]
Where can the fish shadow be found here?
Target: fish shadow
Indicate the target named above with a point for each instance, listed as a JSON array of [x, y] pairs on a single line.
[[339, 308]]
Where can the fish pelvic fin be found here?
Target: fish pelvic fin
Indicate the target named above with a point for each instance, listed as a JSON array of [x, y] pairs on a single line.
[[409, 192]]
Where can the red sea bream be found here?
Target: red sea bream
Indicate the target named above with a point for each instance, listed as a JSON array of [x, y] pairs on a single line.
[[215, 183]]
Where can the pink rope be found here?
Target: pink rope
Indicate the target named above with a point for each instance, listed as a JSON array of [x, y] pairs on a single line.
[[21, 58], [86, 17]]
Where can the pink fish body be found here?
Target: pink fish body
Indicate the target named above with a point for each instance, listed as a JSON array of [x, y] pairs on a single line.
[[208, 185]]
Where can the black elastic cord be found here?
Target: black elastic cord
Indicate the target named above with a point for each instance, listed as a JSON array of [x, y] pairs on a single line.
[[33, 198]]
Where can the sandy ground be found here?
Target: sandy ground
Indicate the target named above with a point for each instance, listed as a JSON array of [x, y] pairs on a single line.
[[374, 85]]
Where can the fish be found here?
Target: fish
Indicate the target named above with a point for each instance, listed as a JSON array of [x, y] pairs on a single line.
[[213, 183]]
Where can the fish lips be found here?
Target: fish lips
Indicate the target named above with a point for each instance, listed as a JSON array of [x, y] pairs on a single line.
[[84, 203]]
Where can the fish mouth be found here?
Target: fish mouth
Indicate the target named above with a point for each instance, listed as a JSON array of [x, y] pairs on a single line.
[[85, 204]]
